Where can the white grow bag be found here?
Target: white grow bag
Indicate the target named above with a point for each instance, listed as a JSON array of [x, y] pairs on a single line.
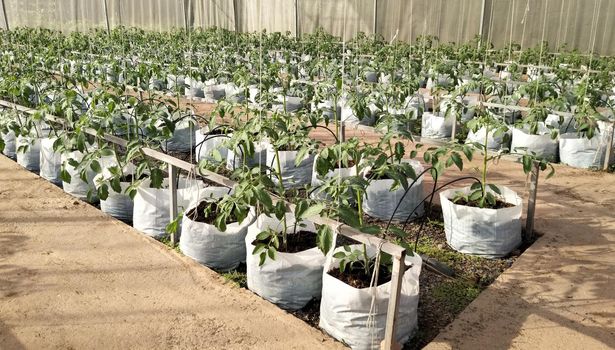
[[380, 201], [152, 205], [542, 144], [50, 162], [234, 159], [491, 233], [215, 249], [9, 144], [494, 143], [206, 144], [581, 152], [318, 193], [30, 159], [345, 310], [77, 187], [436, 125], [117, 205], [292, 176], [292, 279], [184, 137]]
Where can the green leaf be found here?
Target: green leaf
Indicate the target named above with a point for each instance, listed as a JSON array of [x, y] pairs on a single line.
[[312, 211], [103, 192], [372, 230], [457, 160], [157, 177], [339, 255], [325, 238], [495, 189], [95, 166], [65, 176]]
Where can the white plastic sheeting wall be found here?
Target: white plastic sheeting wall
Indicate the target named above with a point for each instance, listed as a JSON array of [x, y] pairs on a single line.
[[584, 25]]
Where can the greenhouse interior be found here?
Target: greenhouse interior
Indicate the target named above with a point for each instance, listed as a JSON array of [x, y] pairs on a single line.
[[307, 174]]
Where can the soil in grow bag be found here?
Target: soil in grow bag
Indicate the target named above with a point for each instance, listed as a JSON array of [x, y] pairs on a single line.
[[499, 204], [298, 242], [198, 214], [357, 278]]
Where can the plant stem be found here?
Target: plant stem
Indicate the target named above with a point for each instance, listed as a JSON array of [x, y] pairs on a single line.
[[279, 174]]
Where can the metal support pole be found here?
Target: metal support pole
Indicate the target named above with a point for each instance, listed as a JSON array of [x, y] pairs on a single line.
[[185, 15], [297, 19], [397, 277], [235, 16], [482, 23], [6, 19], [106, 16], [173, 172], [531, 202], [374, 24]]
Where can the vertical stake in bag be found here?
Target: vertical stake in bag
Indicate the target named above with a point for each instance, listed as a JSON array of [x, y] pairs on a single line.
[[397, 278], [173, 172], [531, 203]]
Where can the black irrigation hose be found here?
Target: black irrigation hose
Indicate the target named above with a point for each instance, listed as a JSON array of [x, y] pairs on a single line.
[[404, 196]]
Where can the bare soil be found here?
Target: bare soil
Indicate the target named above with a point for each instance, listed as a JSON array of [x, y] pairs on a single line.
[[72, 277]]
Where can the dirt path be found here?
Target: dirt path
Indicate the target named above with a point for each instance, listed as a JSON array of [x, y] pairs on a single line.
[[71, 277]]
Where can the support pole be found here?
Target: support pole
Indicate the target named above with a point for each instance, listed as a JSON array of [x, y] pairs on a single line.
[[6, 20], [185, 15], [297, 19], [397, 277], [531, 202], [609, 147], [173, 172], [375, 22], [106, 16], [235, 16], [481, 27]]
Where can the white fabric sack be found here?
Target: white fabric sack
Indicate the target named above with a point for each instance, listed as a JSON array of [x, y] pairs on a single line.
[[235, 160], [380, 202], [117, 205], [214, 92], [292, 279], [77, 187], [542, 144], [50, 162], [293, 104], [580, 152], [345, 310], [494, 143], [436, 126], [318, 193], [222, 251], [151, 208], [207, 143], [30, 159], [9, 144], [292, 176], [184, 137], [234, 93], [492, 233]]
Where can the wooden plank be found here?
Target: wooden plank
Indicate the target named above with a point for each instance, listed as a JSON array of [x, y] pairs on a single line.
[[397, 278]]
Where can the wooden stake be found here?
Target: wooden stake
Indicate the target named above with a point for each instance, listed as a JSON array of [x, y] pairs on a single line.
[[396, 282], [531, 202], [173, 172]]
